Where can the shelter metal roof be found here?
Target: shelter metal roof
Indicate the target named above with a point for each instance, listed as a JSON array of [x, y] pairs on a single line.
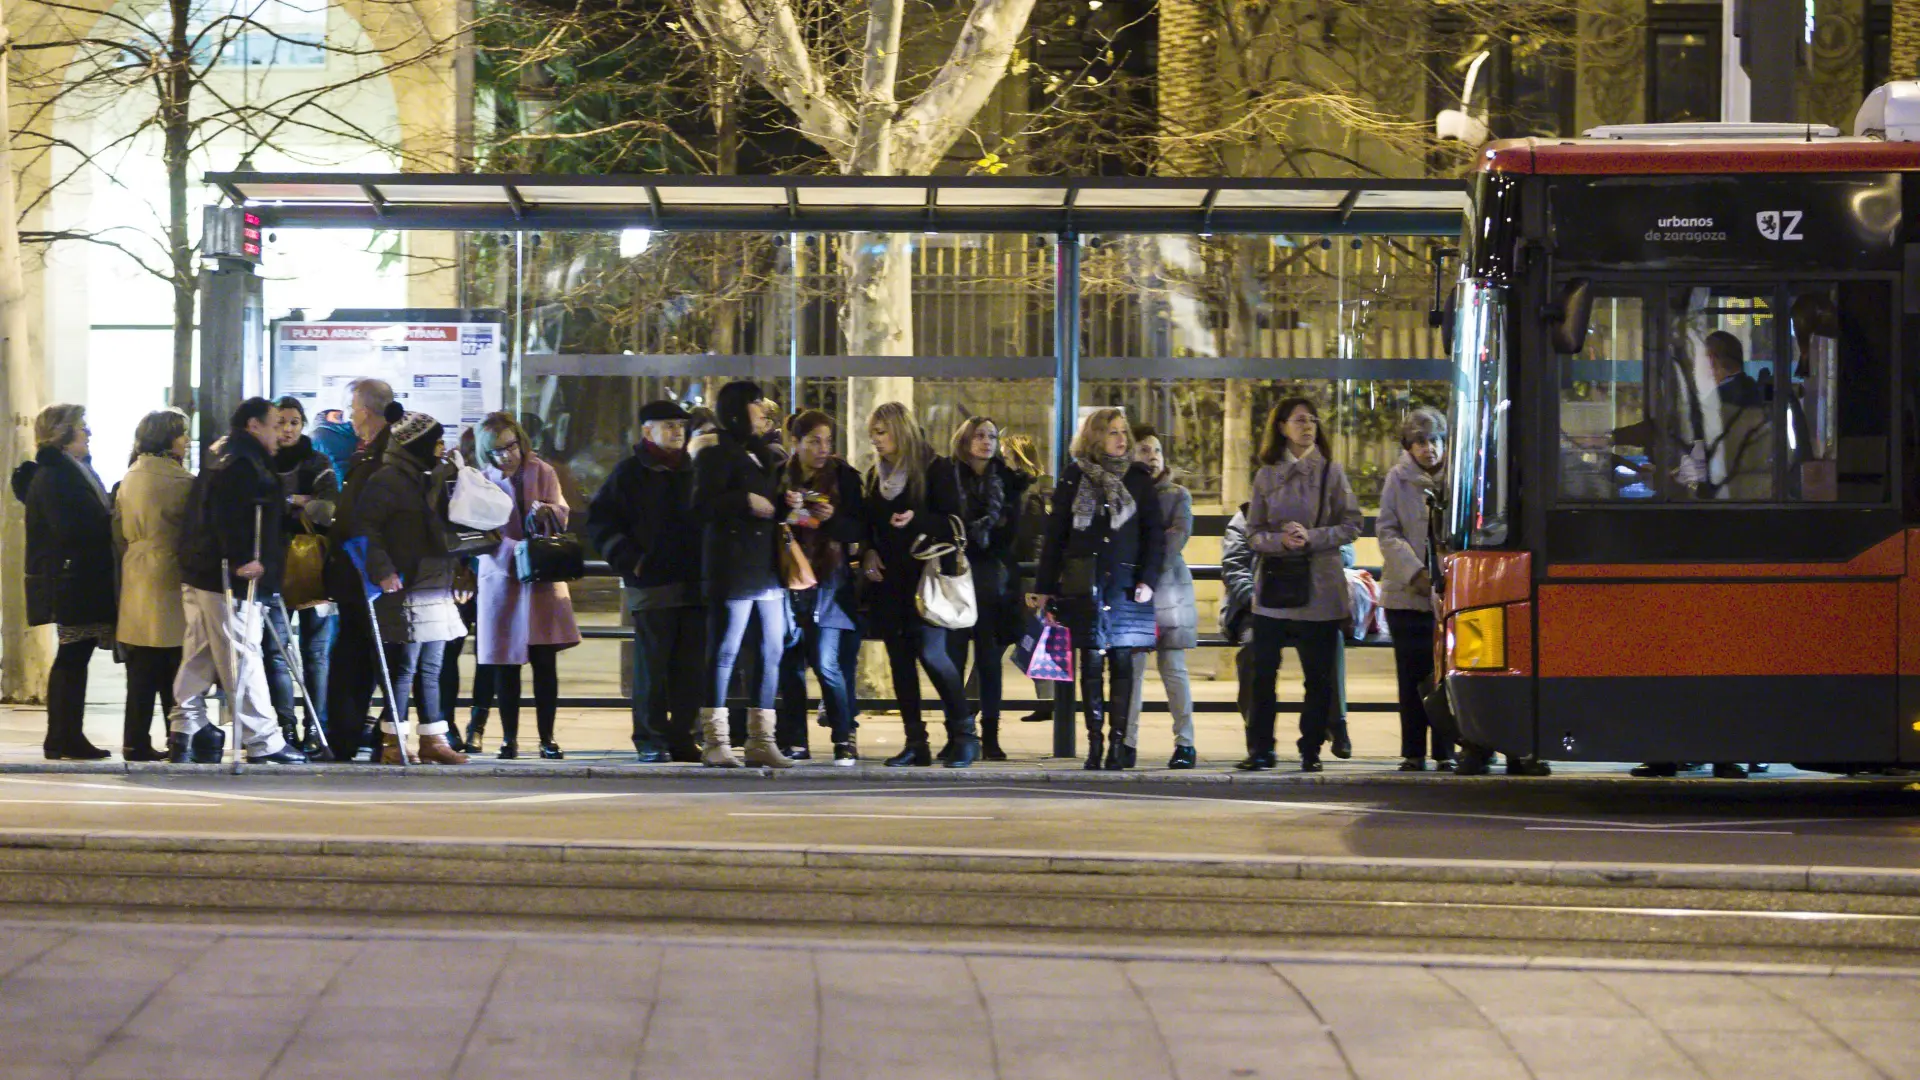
[[843, 203]]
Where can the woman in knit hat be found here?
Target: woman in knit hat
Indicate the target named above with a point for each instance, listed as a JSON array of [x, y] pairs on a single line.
[[400, 516]]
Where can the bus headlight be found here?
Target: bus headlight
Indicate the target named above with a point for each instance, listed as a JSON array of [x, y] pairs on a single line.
[[1480, 639]]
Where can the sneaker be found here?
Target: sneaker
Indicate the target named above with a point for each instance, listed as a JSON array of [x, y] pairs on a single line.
[[799, 753], [846, 754], [1413, 764], [1444, 764]]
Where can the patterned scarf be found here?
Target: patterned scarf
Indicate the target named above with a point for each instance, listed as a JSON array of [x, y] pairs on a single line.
[[1104, 474]]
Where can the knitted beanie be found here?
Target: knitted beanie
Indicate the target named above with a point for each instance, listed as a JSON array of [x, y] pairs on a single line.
[[417, 433]]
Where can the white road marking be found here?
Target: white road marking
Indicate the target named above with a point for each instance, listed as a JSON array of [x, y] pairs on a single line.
[[96, 802], [1660, 831], [867, 817]]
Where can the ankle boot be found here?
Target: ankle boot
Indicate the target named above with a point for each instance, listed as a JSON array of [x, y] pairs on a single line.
[[990, 740], [918, 754], [966, 745], [1342, 744], [1116, 751], [716, 752], [762, 750], [437, 750], [179, 747], [209, 745], [390, 749], [476, 730]]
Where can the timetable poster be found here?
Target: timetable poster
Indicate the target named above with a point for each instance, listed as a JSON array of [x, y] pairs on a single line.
[[450, 371]]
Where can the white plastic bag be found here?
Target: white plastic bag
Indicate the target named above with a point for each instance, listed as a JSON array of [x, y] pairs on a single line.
[[477, 502]]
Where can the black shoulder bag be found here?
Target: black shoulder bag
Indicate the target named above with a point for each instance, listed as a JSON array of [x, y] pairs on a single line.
[[1286, 581]]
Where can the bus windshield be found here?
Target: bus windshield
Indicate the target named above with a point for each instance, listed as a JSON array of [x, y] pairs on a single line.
[[1477, 480]]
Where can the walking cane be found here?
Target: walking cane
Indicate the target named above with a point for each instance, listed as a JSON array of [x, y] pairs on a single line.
[[227, 692], [299, 676], [356, 550]]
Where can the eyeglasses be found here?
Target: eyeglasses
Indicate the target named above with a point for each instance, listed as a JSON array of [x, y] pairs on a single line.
[[505, 449]]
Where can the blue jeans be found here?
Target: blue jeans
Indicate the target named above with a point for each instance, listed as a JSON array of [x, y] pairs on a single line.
[[821, 650], [274, 634], [726, 634], [316, 650]]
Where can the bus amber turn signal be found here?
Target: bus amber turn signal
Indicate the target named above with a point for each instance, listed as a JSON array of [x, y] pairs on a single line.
[[1480, 639]]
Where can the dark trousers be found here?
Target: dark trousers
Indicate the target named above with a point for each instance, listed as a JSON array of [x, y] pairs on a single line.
[[449, 686], [1413, 663], [727, 624], [1318, 644], [504, 685], [274, 632], [984, 637], [67, 697], [150, 672], [352, 674], [669, 652], [1106, 689], [316, 650], [407, 661], [929, 649], [821, 648]]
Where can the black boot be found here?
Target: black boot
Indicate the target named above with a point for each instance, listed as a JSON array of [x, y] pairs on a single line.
[[966, 745], [990, 740], [1116, 751], [179, 747], [476, 730], [209, 745], [1342, 745], [918, 754]]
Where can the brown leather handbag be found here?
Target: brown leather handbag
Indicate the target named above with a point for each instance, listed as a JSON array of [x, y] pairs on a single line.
[[796, 570]]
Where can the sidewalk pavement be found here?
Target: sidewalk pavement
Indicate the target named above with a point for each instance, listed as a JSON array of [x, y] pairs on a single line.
[[188, 1002]]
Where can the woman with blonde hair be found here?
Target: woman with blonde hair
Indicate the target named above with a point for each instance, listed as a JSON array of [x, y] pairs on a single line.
[[519, 622], [1100, 559], [909, 501], [70, 567], [149, 512]]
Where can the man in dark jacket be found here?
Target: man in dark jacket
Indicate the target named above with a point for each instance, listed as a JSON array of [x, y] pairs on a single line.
[[230, 562], [641, 522], [351, 667]]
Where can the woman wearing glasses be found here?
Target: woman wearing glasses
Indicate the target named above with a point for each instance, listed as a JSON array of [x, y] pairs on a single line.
[[520, 623]]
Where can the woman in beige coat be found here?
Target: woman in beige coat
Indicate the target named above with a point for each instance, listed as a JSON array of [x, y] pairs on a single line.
[[148, 512]]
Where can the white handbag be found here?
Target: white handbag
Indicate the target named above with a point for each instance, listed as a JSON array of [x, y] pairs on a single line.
[[477, 502], [946, 600]]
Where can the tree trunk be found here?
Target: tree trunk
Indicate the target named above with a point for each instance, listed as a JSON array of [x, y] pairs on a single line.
[[876, 320], [176, 128], [24, 652], [1905, 63]]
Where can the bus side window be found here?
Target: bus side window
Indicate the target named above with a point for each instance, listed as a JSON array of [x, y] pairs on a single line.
[[1606, 442]]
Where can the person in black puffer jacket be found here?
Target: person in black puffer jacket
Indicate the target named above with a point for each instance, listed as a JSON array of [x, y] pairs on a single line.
[[407, 557], [736, 489], [70, 567], [231, 557], [640, 522], [1099, 561], [992, 494]]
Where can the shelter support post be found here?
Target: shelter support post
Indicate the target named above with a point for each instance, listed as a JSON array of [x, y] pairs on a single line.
[[231, 337], [1066, 404]]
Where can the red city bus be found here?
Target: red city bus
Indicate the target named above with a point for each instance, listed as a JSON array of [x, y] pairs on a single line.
[[1683, 516]]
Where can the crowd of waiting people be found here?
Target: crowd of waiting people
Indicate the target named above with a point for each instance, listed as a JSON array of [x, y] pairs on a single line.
[[751, 553]]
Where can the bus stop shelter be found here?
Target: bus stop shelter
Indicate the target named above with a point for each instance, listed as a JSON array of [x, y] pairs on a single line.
[[1062, 209]]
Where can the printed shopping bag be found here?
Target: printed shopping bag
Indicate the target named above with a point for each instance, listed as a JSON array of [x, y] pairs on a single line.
[[1045, 651]]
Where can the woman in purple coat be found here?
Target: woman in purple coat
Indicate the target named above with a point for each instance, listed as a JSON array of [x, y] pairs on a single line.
[[519, 623]]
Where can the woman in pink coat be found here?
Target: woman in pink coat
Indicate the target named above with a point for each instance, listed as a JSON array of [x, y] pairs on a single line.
[[520, 623]]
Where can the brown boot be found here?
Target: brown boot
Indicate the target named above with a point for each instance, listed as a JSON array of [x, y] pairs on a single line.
[[762, 750], [436, 750], [390, 749], [716, 752]]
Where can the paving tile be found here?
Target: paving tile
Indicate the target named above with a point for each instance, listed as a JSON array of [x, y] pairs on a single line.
[[574, 971], [424, 972], [117, 955], [1776, 1055], [19, 946], [360, 1042], [901, 980], [1037, 1047], [577, 1040], [270, 967], [1888, 1044], [1688, 1002], [1829, 999], [1502, 994], [1380, 1053], [1576, 1046], [1007, 975], [190, 1034], [1365, 997], [710, 997]]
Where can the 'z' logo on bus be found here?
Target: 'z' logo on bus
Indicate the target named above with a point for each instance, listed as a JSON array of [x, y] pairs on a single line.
[[1780, 224]]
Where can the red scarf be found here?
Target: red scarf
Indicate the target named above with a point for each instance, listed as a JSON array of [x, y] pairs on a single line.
[[661, 456]]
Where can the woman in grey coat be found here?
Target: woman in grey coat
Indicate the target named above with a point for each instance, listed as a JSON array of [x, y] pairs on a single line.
[[1176, 617], [1301, 509], [1407, 591]]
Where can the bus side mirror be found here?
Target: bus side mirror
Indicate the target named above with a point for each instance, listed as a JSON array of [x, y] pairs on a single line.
[[1571, 316]]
